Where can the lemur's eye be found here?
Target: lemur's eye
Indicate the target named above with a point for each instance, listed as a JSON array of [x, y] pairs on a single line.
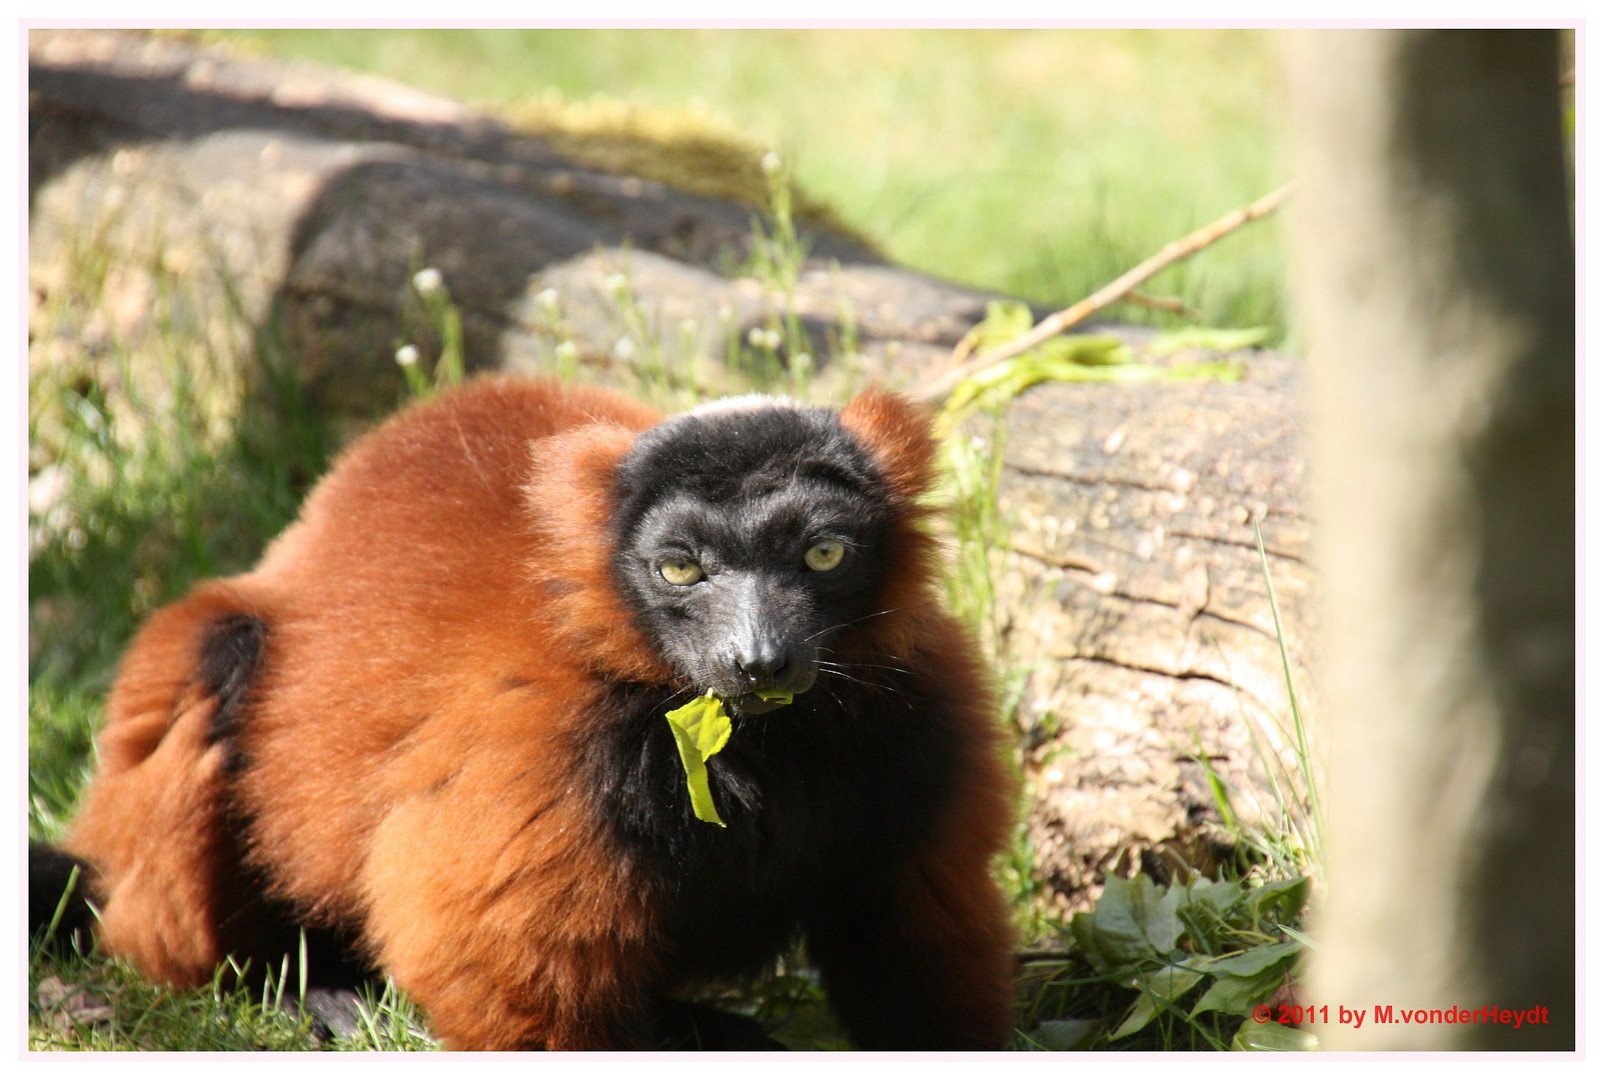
[[825, 555], [681, 572]]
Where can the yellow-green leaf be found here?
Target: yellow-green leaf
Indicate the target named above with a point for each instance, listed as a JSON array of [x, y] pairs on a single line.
[[701, 728], [1210, 338]]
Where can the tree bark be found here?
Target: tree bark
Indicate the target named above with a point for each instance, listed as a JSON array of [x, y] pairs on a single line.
[[1438, 275], [1134, 608]]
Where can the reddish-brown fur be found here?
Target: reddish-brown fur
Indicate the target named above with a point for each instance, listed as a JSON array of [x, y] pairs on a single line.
[[409, 739]]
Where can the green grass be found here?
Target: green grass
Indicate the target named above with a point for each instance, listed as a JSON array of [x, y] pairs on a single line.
[[88, 1002], [157, 458], [1040, 163]]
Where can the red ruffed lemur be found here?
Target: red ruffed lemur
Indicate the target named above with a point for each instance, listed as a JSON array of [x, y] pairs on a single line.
[[433, 720]]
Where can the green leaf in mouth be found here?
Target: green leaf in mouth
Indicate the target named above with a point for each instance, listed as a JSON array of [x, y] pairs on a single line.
[[701, 728]]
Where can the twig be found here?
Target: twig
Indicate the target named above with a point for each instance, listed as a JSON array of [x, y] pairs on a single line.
[[966, 344], [938, 388]]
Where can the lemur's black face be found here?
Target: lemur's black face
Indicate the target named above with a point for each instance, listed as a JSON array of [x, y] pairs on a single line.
[[746, 538]]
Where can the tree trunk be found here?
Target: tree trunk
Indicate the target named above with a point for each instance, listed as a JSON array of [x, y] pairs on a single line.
[[1438, 275]]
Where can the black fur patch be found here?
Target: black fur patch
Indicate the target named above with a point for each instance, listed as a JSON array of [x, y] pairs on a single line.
[[229, 655], [49, 872], [334, 960], [684, 1025], [821, 798]]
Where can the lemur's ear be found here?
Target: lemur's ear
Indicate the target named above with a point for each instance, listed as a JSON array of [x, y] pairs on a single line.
[[896, 433]]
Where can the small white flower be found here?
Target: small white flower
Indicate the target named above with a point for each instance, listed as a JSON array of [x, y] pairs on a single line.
[[624, 350], [771, 339], [755, 337], [427, 280], [801, 362], [547, 299], [406, 355], [617, 284], [689, 327], [567, 351], [726, 312], [771, 163]]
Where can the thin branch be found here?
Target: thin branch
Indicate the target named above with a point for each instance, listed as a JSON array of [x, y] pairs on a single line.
[[938, 388]]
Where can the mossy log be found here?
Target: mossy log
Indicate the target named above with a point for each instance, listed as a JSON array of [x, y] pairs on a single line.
[[308, 198]]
